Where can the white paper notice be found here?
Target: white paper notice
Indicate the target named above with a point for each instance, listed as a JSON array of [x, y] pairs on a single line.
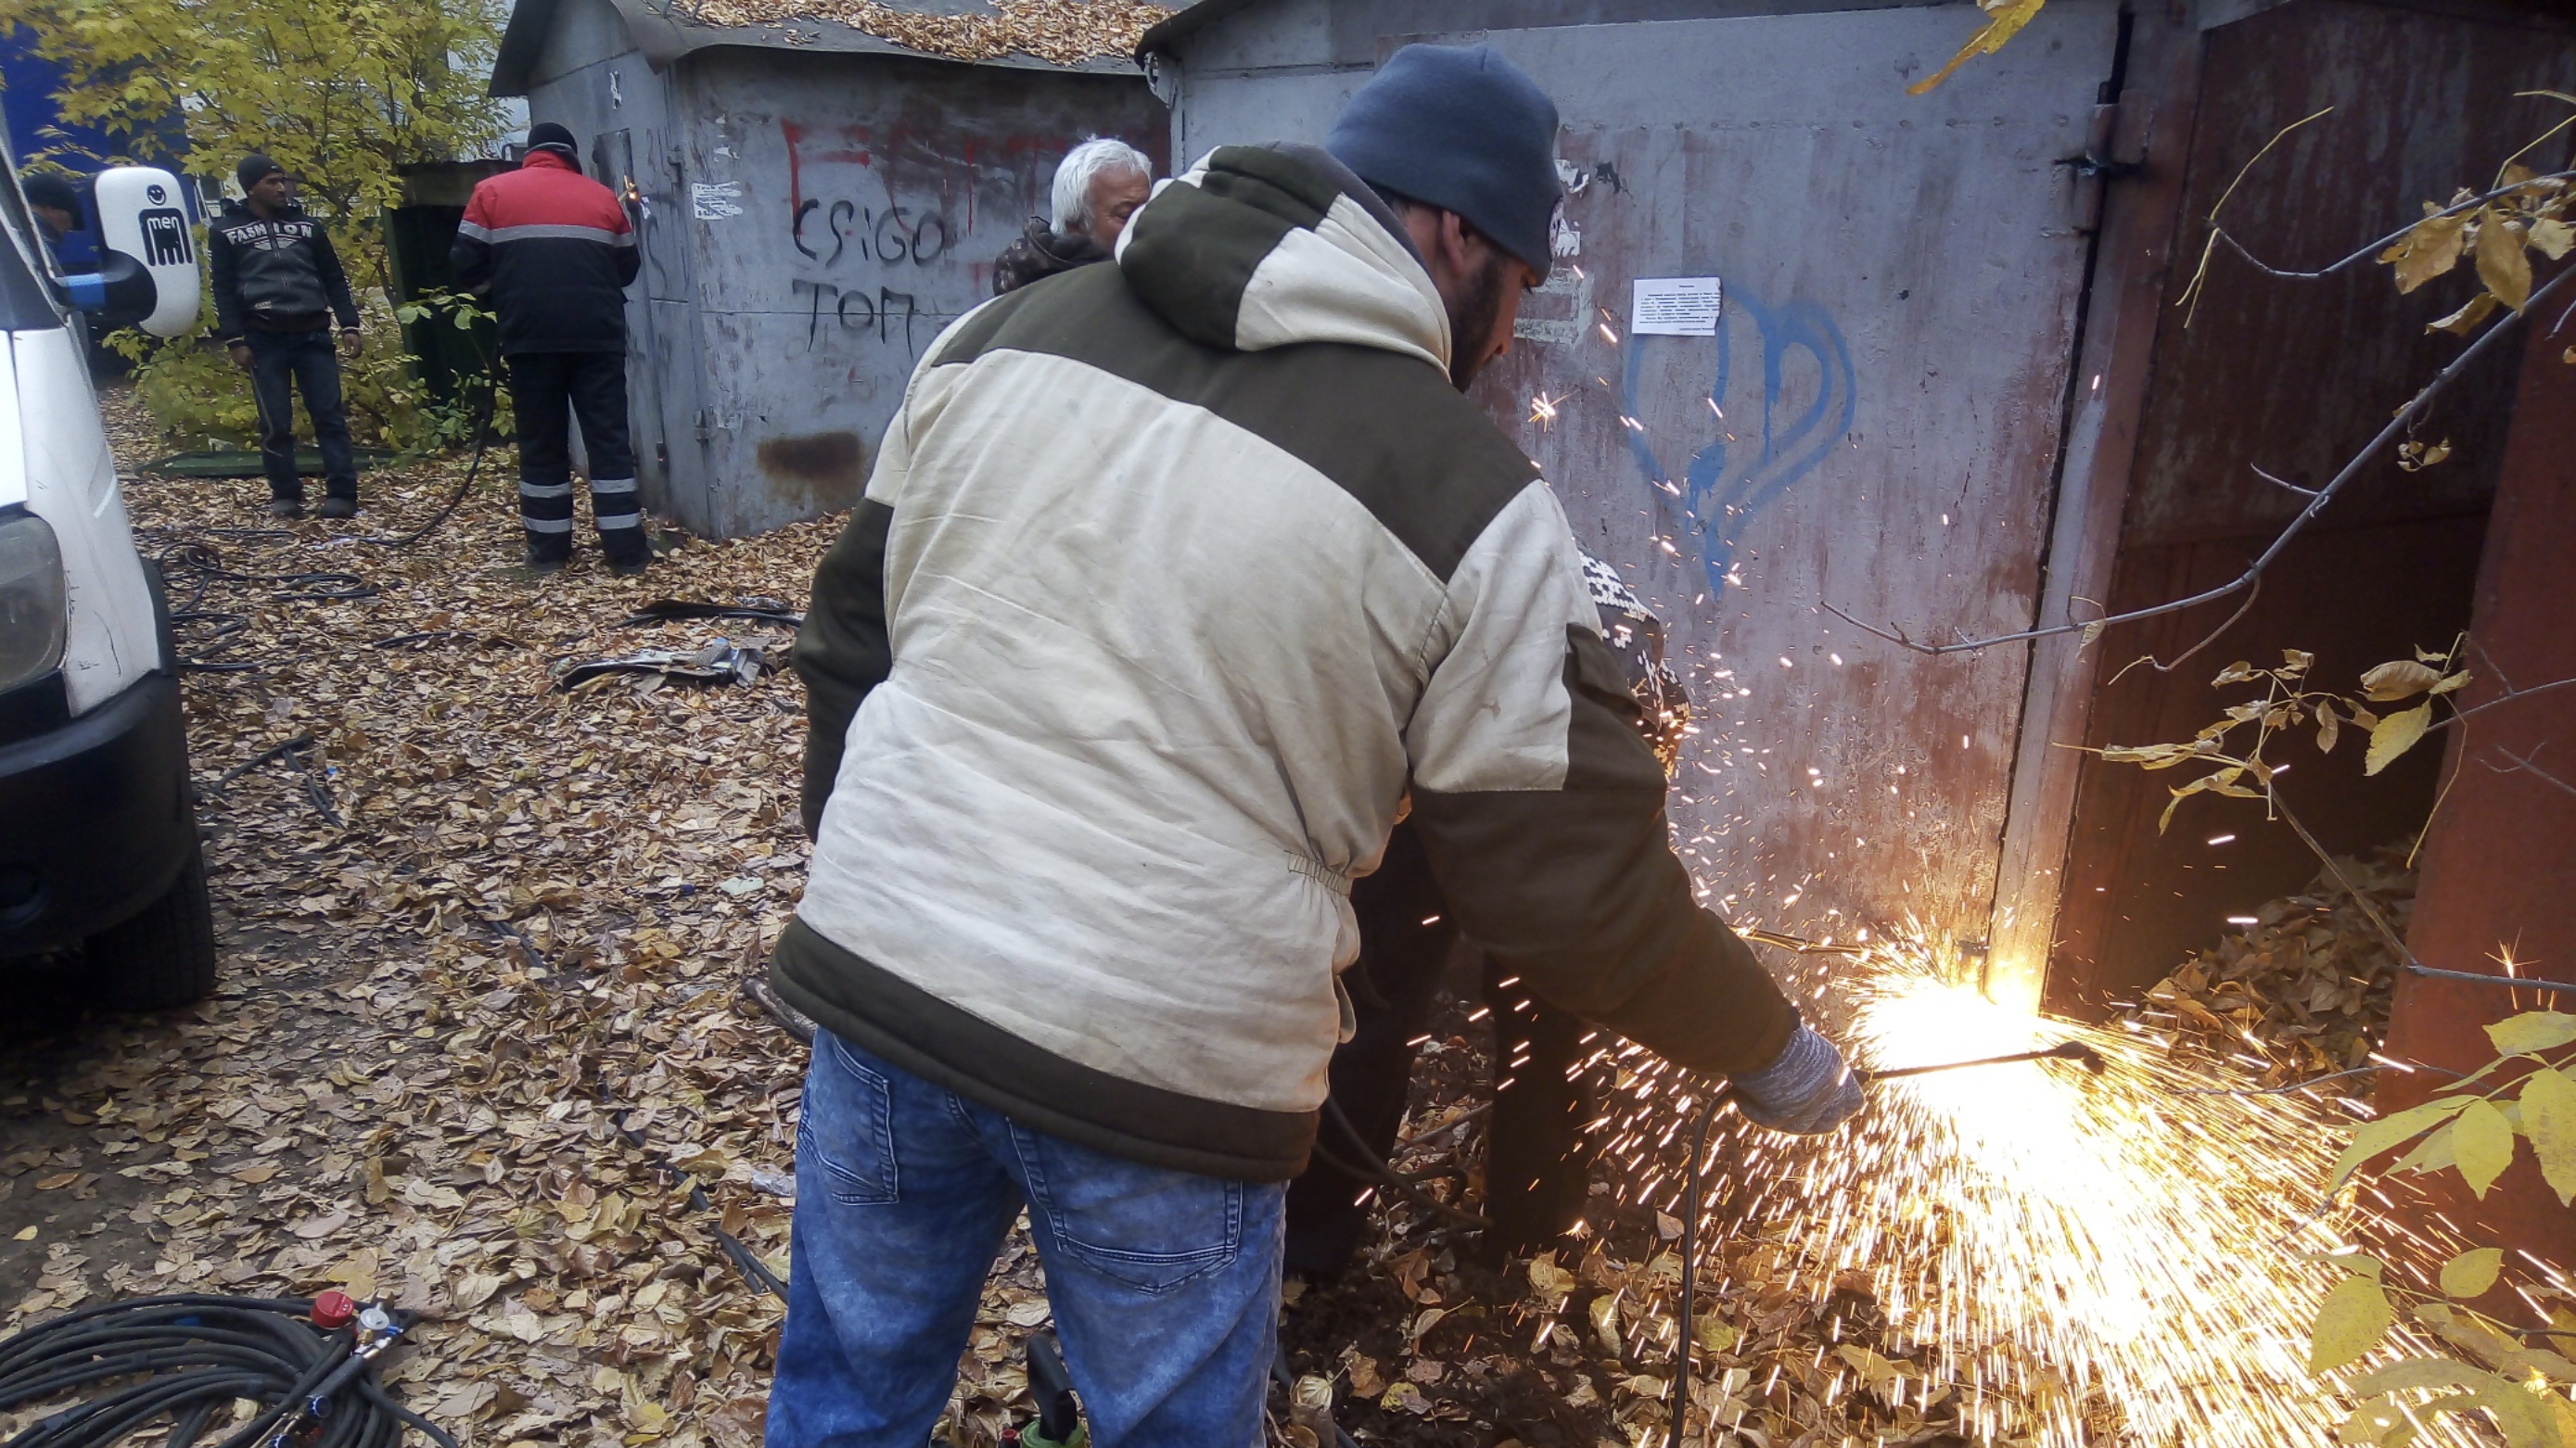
[[1674, 307]]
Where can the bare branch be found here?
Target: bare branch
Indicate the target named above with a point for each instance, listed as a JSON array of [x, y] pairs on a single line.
[[2284, 482], [2522, 765], [2508, 696], [2391, 239], [2487, 661], [2397, 427], [2190, 299], [2161, 667], [2396, 942]]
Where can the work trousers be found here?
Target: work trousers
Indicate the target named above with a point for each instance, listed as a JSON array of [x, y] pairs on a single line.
[[544, 386], [1164, 1284], [282, 364], [1537, 1164]]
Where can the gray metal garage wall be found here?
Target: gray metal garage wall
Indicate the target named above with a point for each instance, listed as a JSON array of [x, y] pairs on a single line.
[[841, 210], [1874, 425]]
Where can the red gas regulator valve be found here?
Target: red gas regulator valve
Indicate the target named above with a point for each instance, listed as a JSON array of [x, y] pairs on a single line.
[[333, 1311]]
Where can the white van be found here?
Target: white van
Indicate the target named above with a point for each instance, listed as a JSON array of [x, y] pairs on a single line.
[[98, 835]]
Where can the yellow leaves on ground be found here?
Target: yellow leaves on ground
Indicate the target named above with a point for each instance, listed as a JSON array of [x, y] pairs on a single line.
[[2396, 734], [1549, 1282], [2482, 1140], [2351, 1321], [2472, 1273], [1605, 1322], [2006, 18]]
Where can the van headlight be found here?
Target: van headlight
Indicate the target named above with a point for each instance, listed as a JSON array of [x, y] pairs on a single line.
[[32, 618]]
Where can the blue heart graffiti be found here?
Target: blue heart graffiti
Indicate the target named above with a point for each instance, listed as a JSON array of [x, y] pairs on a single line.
[[1720, 494]]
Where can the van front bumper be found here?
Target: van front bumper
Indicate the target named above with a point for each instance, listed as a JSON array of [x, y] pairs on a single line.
[[95, 820]]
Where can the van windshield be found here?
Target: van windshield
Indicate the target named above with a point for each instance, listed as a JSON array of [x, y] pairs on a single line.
[[25, 305]]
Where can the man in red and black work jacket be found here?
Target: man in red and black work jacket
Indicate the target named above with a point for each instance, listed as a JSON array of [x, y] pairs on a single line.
[[556, 253]]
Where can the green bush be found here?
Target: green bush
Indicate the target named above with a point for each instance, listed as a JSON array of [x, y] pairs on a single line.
[[201, 400]]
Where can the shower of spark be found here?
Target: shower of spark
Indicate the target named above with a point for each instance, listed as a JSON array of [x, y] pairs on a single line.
[[2129, 1251], [2135, 1257]]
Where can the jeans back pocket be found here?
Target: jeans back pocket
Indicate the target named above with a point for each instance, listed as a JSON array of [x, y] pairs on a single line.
[[846, 1125], [1147, 1228]]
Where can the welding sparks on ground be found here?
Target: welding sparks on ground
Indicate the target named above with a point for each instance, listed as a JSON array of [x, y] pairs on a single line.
[[2068, 1254]]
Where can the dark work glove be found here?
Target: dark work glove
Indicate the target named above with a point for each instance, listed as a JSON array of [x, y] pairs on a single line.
[[1807, 1092]]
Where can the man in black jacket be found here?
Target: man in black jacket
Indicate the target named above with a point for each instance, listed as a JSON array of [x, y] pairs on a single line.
[[278, 284]]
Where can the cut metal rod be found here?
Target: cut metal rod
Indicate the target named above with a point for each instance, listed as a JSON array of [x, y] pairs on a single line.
[[2063, 1051]]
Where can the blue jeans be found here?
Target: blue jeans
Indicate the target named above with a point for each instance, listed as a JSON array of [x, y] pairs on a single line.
[[306, 362], [1165, 1284]]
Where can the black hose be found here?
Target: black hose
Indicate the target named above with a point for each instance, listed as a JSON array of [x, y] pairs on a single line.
[[1373, 1167], [188, 1357], [1690, 1267], [482, 438]]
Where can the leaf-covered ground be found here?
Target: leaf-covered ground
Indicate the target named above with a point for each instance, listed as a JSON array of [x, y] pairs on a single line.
[[481, 1022]]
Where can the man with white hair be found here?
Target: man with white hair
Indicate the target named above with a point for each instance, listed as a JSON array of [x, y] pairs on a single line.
[[1099, 184]]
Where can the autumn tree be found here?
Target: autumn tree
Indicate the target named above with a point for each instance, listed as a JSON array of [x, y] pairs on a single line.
[[344, 93], [341, 93]]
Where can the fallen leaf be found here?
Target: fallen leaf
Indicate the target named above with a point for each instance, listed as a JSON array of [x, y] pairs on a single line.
[[315, 1228], [1027, 1314]]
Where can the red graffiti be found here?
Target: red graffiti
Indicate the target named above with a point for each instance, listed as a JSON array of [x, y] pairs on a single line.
[[796, 157]]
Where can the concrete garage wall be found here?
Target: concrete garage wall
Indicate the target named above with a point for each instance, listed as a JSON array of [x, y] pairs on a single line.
[[839, 212]]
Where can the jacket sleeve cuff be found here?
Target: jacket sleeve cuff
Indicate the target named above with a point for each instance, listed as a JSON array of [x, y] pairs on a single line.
[[1714, 1009]]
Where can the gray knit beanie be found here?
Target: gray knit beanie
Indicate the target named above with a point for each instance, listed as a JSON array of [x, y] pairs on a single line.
[[1460, 128]]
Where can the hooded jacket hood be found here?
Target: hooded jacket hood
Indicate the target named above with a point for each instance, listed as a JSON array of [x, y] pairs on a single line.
[[1264, 246]]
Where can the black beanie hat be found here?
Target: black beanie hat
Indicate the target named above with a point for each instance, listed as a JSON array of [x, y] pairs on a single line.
[[1460, 128], [553, 136], [252, 168], [47, 189]]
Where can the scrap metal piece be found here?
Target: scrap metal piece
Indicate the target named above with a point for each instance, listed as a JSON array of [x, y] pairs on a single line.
[[664, 610], [721, 662]]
